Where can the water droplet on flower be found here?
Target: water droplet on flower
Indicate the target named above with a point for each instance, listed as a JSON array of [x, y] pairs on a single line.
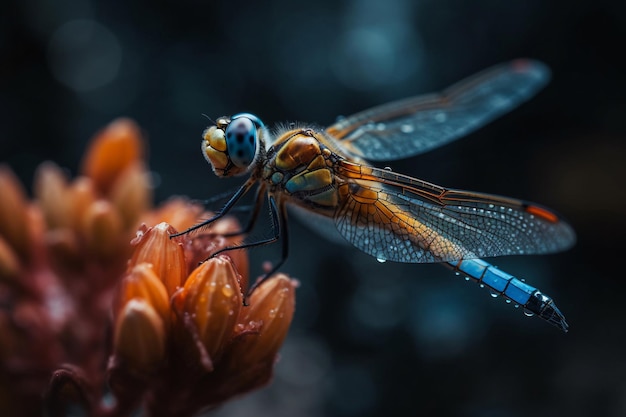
[[227, 290], [272, 313]]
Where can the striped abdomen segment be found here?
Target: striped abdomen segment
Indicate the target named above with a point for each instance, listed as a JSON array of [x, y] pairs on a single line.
[[506, 285]]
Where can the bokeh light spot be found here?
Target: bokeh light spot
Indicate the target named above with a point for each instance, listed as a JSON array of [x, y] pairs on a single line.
[[84, 55], [368, 58]]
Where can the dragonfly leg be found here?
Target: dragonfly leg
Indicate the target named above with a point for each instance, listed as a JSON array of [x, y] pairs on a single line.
[[208, 202], [254, 213], [279, 226], [252, 210], [229, 204]]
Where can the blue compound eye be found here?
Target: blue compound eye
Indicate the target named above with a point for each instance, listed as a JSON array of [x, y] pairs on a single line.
[[241, 141]]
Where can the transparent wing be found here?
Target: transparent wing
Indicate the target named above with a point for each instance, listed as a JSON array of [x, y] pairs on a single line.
[[415, 125], [403, 219]]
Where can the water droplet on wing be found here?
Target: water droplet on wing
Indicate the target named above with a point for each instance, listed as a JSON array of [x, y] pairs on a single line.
[[407, 128]]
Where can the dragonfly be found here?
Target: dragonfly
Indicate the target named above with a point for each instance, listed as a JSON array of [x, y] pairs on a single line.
[[327, 174]]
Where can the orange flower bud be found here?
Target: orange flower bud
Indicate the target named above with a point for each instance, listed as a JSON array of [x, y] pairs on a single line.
[[131, 193], [272, 306], [50, 189], [262, 327], [111, 151], [13, 213], [81, 196], [9, 264], [68, 390], [166, 256], [141, 282], [139, 336], [102, 228], [212, 300]]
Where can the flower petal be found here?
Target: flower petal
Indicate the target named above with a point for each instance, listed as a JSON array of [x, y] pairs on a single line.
[[13, 213], [212, 300], [9, 263], [102, 228], [111, 151], [139, 340], [141, 282], [272, 305], [131, 193], [166, 256], [51, 188]]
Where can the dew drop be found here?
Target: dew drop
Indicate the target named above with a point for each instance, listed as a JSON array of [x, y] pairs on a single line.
[[523, 280], [482, 285], [528, 313], [467, 278], [407, 128], [380, 126], [493, 293], [516, 306], [441, 117], [227, 290], [507, 301], [381, 260], [387, 168], [457, 273], [272, 313]]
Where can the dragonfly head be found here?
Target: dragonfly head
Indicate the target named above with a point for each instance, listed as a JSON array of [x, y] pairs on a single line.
[[232, 145]]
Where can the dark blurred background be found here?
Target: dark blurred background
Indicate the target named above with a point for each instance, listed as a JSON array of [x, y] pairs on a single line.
[[368, 339]]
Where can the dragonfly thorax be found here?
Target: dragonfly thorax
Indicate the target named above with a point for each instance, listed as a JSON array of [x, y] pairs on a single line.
[[300, 166]]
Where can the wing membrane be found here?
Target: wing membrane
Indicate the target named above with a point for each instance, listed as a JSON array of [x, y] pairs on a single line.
[[412, 126], [403, 219]]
